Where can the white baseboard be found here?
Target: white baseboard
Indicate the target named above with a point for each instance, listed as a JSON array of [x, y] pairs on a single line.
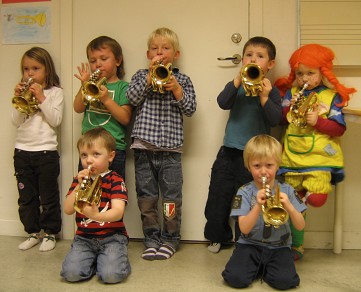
[[12, 228]]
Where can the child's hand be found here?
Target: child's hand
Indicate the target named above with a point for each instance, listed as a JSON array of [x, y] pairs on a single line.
[[37, 90], [294, 98], [284, 200], [104, 94], [312, 116], [90, 211], [83, 174], [266, 89], [84, 73], [261, 197], [173, 85], [237, 81], [19, 89]]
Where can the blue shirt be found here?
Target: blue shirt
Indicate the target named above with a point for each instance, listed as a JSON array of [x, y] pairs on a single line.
[[247, 196], [247, 118]]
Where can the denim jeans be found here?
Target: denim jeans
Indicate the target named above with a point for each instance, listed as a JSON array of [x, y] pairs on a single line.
[[159, 173], [39, 200], [108, 258]]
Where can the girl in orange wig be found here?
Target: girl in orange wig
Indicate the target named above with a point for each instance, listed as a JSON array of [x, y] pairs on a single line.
[[312, 158]]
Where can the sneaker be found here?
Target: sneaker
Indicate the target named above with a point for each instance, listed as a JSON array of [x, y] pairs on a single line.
[[214, 247], [48, 242], [32, 240]]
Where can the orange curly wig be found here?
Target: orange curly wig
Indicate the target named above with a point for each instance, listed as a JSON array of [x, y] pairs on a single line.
[[314, 56]]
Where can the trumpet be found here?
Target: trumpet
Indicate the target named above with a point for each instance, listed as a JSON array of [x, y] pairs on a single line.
[[26, 102], [302, 105], [252, 76], [89, 193], [160, 75], [273, 212], [91, 89]]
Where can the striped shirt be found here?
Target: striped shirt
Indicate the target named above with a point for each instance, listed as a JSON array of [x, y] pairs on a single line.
[[159, 116], [113, 187]]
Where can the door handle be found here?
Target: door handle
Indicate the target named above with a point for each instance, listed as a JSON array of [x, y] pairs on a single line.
[[236, 59]]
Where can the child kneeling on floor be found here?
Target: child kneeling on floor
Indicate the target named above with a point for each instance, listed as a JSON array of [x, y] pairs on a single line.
[[100, 245], [264, 249]]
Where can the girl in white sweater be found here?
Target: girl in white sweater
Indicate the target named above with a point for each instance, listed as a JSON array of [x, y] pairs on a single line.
[[38, 110]]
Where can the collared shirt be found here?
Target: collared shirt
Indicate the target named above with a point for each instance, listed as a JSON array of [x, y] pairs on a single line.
[[159, 116], [246, 199], [113, 188]]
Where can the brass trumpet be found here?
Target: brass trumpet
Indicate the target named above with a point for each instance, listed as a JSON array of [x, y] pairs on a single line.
[[273, 212], [160, 75], [26, 102], [89, 193], [302, 105], [91, 89], [252, 76]]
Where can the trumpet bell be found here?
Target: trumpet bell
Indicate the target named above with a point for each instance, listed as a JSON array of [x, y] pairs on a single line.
[[275, 216], [252, 76], [160, 75], [91, 89], [272, 211], [26, 103], [90, 193]]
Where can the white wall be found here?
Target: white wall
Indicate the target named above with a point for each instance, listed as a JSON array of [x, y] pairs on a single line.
[[275, 19]]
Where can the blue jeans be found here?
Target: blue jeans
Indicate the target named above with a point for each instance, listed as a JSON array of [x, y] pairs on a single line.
[[159, 172], [108, 258]]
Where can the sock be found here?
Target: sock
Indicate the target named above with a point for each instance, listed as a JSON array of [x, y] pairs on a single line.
[[297, 241], [165, 252], [297, 252], [48, 242], [32, 240], [149, 253], [316, 199]]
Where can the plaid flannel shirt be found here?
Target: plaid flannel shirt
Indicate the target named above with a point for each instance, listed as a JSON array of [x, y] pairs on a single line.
[[159, 117]]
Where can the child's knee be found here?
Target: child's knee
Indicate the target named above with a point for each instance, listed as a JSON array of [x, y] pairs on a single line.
[[72, 276], [235, 280], [113, 278]]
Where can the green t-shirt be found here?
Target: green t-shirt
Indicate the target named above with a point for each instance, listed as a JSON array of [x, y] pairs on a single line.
[[100, 117]]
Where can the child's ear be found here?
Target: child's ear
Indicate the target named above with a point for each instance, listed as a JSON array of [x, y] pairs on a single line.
[[271, 64], [176, 55], [111, 157]]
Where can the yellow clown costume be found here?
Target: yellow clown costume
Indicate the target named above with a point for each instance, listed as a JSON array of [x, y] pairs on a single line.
[[312, 157], [311, 160]]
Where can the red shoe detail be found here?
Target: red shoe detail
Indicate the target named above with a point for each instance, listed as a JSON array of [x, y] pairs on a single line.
[[301, 193], [316, 200]]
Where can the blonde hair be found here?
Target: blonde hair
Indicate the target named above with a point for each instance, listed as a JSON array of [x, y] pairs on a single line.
[[167, 34], [97, 134], [262, 146]]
